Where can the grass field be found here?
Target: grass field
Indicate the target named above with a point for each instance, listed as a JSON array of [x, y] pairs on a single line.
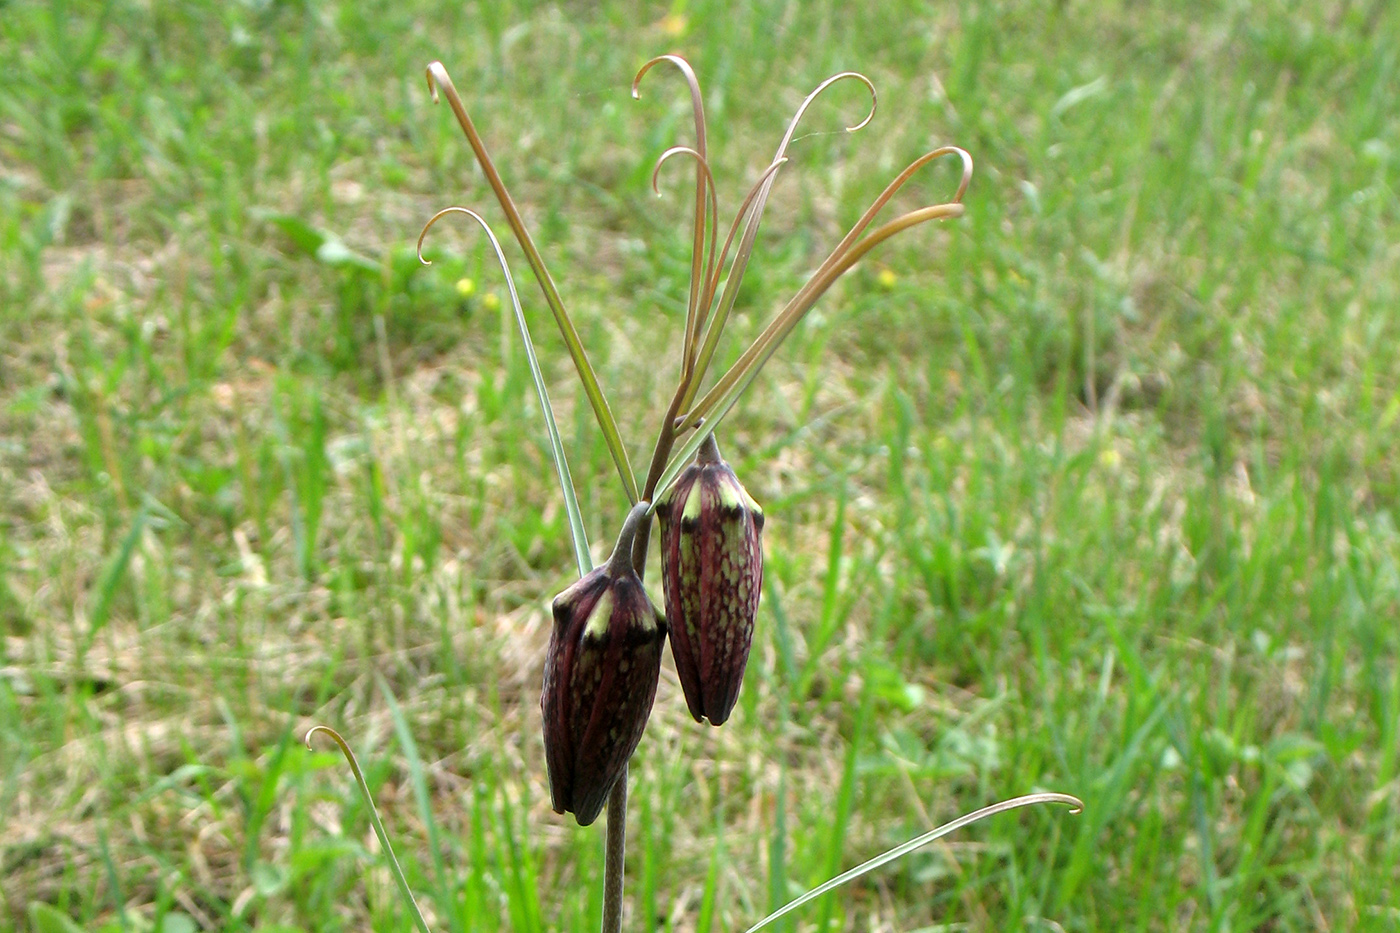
[[1092, 490]]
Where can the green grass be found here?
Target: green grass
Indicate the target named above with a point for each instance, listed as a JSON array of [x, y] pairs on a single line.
[[1098, 494]]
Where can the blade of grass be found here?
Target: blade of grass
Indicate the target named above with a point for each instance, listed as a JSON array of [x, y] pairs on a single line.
[[437, 77], [261, 804], [112, 577], [777, 846], [845, 796], [556, 447], [523, 888], [705, 919], [424, 801]]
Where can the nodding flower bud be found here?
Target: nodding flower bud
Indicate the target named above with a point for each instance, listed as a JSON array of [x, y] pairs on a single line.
[[600, 679], [712, 572]]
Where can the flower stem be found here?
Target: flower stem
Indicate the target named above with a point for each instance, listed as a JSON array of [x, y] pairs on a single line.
[[613, 855], [615, 847]]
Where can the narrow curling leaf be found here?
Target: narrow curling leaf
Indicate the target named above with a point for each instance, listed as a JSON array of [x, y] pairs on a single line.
[[374, 821], [712, 332], [711, 410], [556, 447], [741, 258], [695, 311], [893, 188], [845, 255], [904, 849], [437, 77], [698, 271], [746, 243]]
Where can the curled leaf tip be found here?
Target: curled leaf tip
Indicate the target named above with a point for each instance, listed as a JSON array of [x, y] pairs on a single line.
[[967, 171], [432, 70], [874, 97], [678, 61], [435, 218], [700, 161], [816, 92], [692, 82], [311, 734], [1076, 806]]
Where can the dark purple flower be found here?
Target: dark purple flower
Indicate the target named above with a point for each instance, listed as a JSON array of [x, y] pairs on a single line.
[[600, 679]]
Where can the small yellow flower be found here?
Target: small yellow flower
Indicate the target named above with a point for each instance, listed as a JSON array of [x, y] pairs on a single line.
[[466, 287], [886, 279], [491, 301], [1110, 458], [674, 24]]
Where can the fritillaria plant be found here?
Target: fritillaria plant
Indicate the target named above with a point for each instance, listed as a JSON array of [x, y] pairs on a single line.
[[604, 655]]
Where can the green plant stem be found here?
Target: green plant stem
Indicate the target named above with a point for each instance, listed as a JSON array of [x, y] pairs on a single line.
[[614, 854], [615, 848]]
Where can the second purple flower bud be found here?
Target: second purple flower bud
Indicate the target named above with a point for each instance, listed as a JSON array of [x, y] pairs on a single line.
[[712, 572]]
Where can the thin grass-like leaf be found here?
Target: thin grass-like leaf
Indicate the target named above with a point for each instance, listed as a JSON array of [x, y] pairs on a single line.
[[556, 447], [721, 398], [419, 779], [716, 326], [394, 866], [698, 273], [437, 77], [707, 414], [919, 842], [746, 242], [695, 312], [845, 255]]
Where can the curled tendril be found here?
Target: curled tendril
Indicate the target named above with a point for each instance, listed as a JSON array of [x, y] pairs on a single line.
[[816, 92], [699, 267], [760, 200], [697, 104], [893, 188], [684, 150], [438, 216]]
